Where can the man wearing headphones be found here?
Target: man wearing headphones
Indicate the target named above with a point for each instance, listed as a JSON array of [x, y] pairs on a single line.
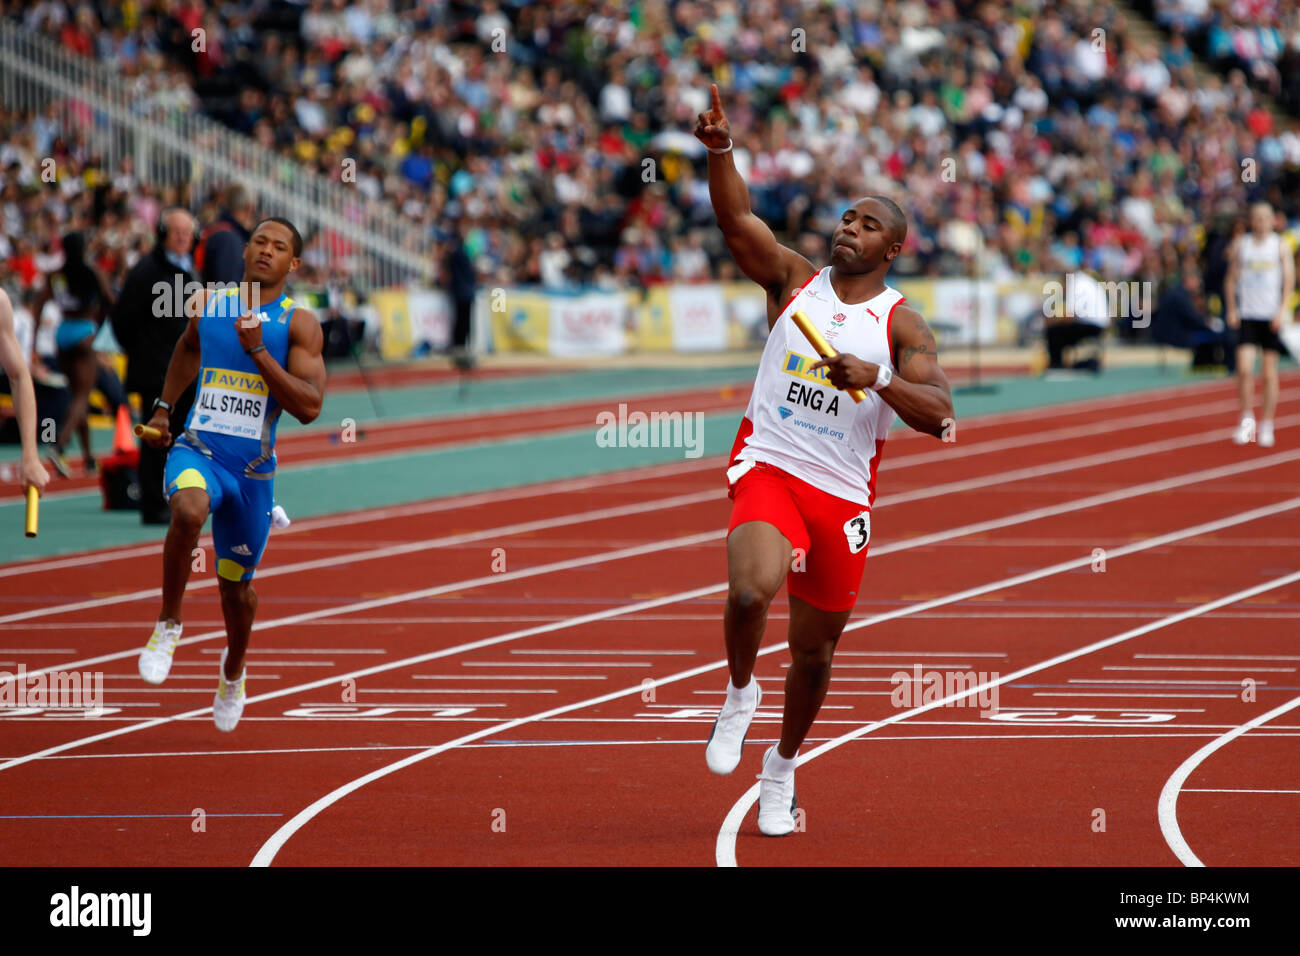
[[148, 318]]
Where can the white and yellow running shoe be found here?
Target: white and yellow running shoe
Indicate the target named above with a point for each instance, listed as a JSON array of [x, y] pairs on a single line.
[[156, 658]]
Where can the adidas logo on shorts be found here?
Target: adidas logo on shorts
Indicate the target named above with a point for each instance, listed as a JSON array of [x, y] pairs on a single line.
[[242, 549]]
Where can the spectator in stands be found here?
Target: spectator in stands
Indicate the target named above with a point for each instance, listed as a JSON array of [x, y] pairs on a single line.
[[84, 298], [148, 317], [1180, 320], [220, 253]]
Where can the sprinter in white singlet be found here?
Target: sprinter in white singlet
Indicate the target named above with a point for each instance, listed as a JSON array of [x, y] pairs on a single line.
[[802, 472], [1257, 292]]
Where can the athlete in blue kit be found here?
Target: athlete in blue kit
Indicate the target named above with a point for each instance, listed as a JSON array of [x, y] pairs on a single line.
[[256, 354]]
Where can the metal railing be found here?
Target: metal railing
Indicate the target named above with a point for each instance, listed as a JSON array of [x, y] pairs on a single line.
[[171, 145]]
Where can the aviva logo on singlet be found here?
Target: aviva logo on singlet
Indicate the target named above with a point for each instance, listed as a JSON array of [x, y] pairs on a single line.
[[234, 381], [799, 365]]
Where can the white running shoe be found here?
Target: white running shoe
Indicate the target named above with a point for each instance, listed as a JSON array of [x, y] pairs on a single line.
[[1265, 434], [1245, 433], [279, 518], [776, 801], [727, 738], [228, 705], [156, 658]]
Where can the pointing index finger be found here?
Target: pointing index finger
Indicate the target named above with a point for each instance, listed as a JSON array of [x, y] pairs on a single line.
[[717, 100]]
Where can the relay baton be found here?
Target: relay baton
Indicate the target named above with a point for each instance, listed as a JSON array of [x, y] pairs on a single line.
[[33, 510], [822, 347], [147, 433]]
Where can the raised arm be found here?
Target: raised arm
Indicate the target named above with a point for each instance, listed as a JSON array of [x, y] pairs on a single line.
[[780, 271], [920, 392], [300, 388], [20, 385]]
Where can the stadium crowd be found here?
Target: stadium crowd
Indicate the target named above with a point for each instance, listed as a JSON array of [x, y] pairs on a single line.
[[1071, 142]]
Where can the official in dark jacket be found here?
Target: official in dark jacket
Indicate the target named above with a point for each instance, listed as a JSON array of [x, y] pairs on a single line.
[[220, 256], [148, 318]]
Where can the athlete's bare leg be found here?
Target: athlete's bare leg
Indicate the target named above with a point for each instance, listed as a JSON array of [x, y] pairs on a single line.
[[1246, 378], [813, 636], [758, 559], [189, 508], [239, 606], [1268, 370], [80, 366]]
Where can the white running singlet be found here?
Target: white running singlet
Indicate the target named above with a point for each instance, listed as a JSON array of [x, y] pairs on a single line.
[[1259, 276], [798, 421]]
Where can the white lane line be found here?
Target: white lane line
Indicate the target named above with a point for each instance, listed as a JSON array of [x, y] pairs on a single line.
[[451, 691], [1217, 670], [272, 846], [451, 503], [1069, 432], [1122, 494], [693, 742], [1234, 790], [1218, 657], [599, 651], [547, 677], [364, 672], [1271, 510], [1196, 477], [1152, 680], [902, 497], [554, 663], [839, 654], [541, 569], [1167, 807], [406, 548], [648, 473], [1099, 694], [1123, 710], [725, 851]]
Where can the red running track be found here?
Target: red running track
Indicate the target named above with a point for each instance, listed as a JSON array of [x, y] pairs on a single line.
[[612, 619]]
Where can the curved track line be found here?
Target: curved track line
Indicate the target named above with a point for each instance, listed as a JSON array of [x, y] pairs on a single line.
[[268, 851], [1167, 808], [333, 681], [725, 849]]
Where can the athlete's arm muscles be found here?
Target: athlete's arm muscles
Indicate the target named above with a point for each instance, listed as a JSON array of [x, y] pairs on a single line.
[[920, 392], [299, 388], [1230, 285], [780, 271]]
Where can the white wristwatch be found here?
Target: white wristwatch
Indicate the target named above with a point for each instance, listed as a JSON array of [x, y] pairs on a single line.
[[883, 377]]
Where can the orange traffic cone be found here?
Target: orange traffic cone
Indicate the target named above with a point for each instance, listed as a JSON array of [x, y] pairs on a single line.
[[123, 440]]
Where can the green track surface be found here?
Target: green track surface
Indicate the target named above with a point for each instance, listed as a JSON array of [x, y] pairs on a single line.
[[75, 522]]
